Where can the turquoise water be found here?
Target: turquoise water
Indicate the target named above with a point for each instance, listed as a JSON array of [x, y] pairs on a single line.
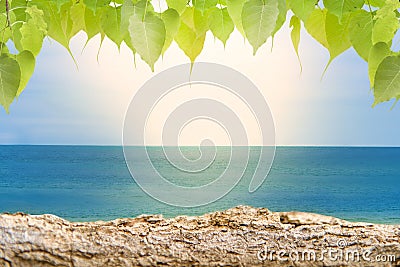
[[85, 183]]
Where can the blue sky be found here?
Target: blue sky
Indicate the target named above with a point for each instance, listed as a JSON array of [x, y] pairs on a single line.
[[63, 105]]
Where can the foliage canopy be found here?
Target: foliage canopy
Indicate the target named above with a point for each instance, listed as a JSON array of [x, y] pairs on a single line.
[[368, 26]]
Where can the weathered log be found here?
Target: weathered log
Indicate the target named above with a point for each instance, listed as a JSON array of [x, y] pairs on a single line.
[[241, 236]]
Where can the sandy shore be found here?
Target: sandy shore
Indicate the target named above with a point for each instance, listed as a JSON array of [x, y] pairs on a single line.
[[241, 236]]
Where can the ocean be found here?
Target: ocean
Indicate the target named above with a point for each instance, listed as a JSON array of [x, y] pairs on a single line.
[[88, 183]]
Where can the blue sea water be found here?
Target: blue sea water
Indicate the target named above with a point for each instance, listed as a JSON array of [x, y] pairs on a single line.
[[86, 183]]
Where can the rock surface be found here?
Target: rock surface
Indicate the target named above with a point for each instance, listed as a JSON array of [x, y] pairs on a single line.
[[241, 236]]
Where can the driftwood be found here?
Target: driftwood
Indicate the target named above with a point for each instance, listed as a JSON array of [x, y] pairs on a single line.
[[241, 236]]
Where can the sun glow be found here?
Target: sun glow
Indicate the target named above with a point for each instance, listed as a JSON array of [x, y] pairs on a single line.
[[109, 84]]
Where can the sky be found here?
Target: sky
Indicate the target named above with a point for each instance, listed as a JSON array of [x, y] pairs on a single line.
[[63, 104]]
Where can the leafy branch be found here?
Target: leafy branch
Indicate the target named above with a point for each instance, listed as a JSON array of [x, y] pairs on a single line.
[[368, 26]]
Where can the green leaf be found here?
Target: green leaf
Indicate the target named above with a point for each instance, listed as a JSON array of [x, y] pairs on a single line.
[[95, 5], [5, 50], [111, 24], [58, 21], [6, 32], [385, 27], [315, 26], [295, 34], [92, 23], [221, 25], [127, 10], [281, 16], [178, 5], [26, 61], [377, 54], [259, 20], [360, 31], [200, 21], [387, 80], [172, 22], [341, 7], [18, 8], [235, 8], [31, 37], [302, 8], [191, 34], [77, 15], [337, 35], [203, 5], [128, 42], [389, 6], [16, 38], [130, 9], [195, 20], [60, 3], [37, 16], [10, 75], [189, 41], [148, 37], [376, 3]]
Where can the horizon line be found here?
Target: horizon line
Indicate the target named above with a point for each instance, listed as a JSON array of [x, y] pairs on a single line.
[[301, 145]]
